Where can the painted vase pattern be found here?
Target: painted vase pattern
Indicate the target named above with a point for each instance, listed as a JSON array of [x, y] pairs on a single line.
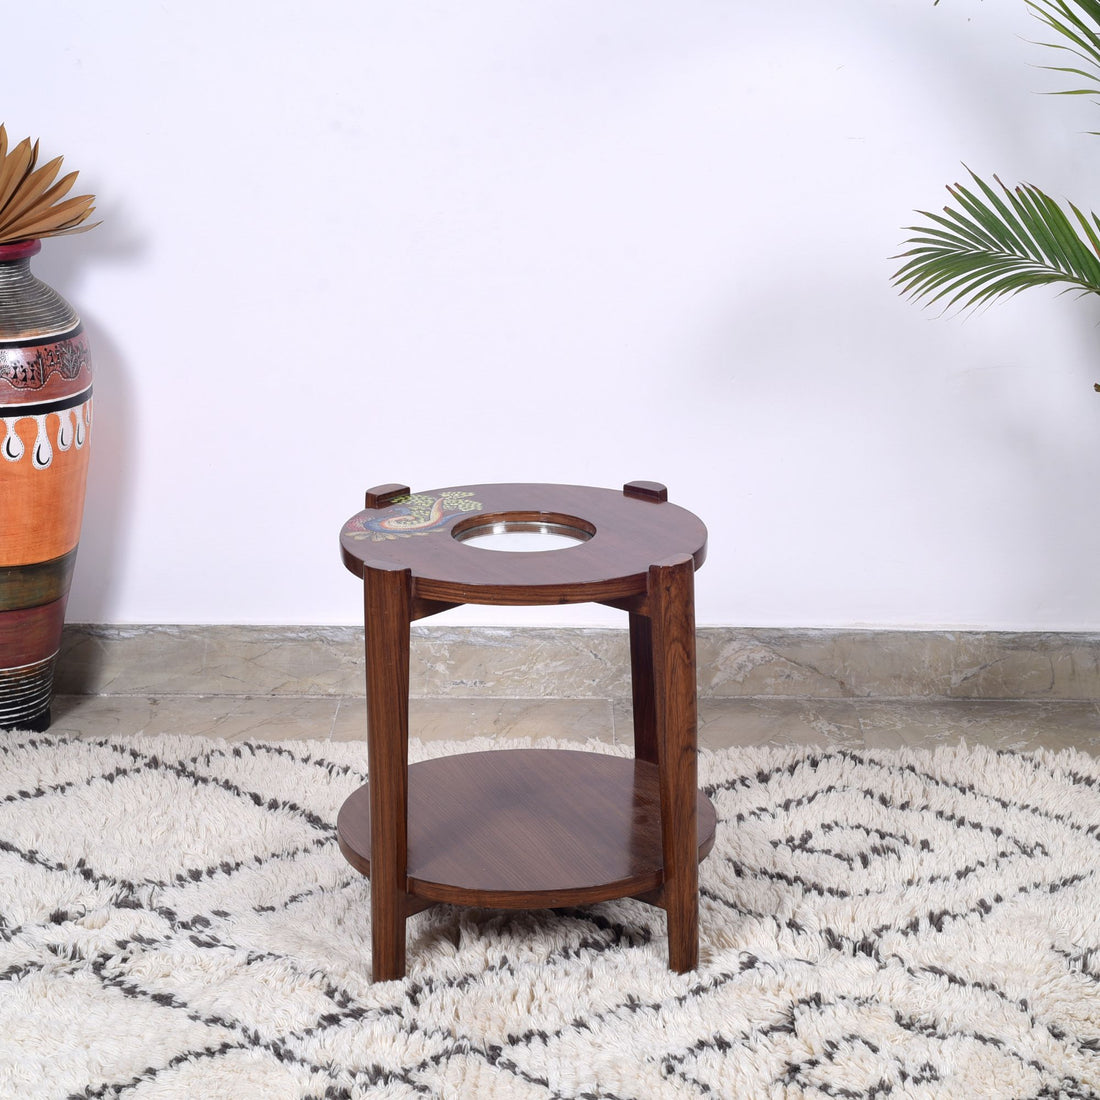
[[46, 407]]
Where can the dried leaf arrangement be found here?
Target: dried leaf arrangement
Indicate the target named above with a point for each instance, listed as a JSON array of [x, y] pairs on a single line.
[[32, 205]]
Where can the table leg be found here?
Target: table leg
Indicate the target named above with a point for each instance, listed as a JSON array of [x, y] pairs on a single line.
[[672, 622], [641, 687], [386, 599]]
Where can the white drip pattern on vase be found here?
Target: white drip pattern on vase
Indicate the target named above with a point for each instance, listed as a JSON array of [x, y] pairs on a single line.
[[72, 430], [13, 445], [65, 429], [43, 452]]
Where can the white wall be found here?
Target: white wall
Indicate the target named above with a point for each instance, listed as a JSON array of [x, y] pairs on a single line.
[[353, 242]]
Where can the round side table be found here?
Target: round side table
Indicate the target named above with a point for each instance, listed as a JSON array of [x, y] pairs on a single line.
[[530, 828]]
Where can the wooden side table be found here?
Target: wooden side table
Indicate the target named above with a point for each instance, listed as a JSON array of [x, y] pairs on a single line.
[[530, 828]]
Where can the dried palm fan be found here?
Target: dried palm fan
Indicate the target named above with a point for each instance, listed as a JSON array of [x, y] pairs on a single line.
[[31, 204]]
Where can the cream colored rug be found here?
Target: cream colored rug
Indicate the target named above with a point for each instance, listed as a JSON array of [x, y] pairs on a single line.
[[177, 922]]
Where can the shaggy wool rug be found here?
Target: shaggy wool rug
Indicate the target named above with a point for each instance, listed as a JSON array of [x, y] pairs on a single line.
[[176, 921]]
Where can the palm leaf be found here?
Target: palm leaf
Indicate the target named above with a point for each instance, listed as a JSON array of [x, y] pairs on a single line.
[[46, 199], [18, 163], [995, 243], [32, 204], [34, 185], [1078, 23], [61, 216]]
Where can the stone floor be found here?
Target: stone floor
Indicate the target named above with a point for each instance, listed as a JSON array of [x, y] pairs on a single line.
[[760, 720]]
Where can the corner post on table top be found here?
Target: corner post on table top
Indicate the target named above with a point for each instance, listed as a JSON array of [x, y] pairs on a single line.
[[387, 601], [652, 491], [671, 594], [381, 496]]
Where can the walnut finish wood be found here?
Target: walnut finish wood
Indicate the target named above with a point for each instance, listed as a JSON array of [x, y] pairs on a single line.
[[672, 638], [386, 614], [646, 490], [528, 828], [641, 687], [382, 496], [631, 534]]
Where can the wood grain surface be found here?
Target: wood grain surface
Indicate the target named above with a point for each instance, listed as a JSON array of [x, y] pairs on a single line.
[[632, 531], [528, 828]]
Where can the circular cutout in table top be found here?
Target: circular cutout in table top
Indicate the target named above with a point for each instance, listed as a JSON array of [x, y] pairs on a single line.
[[628, 535]]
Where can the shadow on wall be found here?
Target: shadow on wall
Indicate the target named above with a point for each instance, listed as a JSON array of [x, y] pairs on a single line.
[[1043, 415]]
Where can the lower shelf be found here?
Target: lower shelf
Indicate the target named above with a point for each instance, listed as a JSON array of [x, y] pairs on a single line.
[[527, 828]]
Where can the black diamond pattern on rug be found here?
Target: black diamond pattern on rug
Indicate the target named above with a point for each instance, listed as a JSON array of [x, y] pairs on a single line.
[[176, 921]]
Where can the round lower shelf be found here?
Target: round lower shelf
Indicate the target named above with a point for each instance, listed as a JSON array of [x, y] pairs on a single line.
[[527, 828]]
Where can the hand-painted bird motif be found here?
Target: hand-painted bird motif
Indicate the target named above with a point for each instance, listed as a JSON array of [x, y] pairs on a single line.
[[418, 514]]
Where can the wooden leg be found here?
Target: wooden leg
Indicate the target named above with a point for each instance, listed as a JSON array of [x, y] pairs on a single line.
[[386, 599], [641, 688], [672, 621]]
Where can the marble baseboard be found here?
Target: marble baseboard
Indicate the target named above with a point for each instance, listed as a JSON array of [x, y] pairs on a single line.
[[851, 724], [528, 663]]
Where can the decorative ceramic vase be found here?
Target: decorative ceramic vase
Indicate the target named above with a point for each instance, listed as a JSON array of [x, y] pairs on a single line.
[[46, 406]]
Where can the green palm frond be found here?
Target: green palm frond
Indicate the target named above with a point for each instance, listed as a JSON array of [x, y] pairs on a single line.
[[1078, 23], [993, 244]]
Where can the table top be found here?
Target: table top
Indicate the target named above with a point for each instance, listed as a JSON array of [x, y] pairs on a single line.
[[619, 534]]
